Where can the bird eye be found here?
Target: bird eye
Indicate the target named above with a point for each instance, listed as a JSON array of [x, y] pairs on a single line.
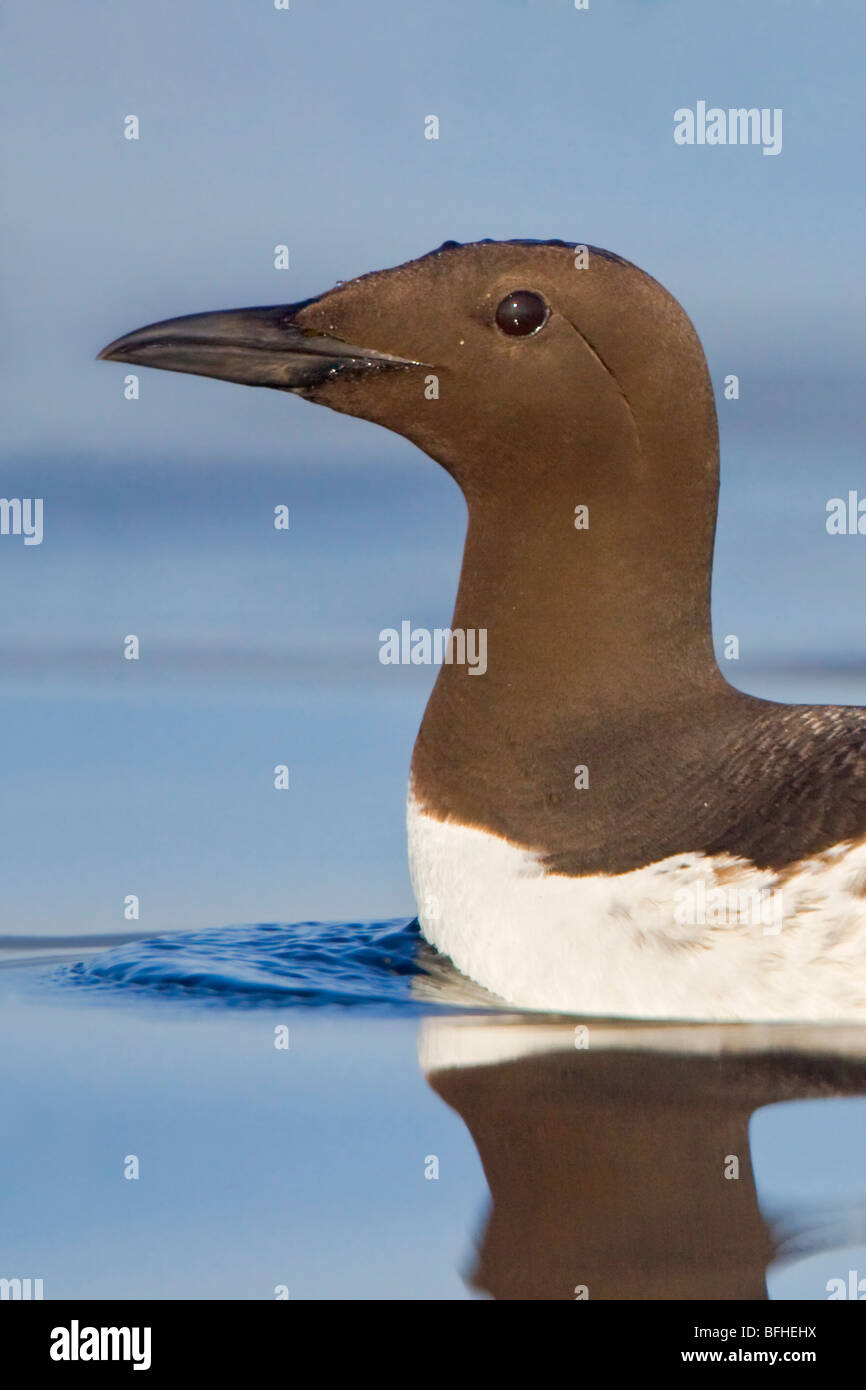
[[521, 313]]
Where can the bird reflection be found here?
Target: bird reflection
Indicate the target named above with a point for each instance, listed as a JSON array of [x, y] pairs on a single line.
[[618, 1156]]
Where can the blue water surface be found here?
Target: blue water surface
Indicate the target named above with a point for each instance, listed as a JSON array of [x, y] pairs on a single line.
[[385, 964]]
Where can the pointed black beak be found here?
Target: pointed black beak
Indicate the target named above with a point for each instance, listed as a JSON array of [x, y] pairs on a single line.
[[257, 347]]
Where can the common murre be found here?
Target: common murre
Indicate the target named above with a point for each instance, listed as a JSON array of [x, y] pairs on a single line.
[[567, 380]]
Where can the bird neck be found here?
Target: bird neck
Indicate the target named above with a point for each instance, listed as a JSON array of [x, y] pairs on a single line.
[[588, 602], [592, 632]]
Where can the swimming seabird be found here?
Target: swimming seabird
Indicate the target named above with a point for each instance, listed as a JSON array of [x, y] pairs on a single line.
[[597, 823]]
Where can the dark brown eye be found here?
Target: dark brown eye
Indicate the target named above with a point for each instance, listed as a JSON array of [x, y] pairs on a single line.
[[521, 313]]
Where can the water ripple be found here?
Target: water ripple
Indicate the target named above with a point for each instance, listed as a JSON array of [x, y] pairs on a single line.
[[313, 963]]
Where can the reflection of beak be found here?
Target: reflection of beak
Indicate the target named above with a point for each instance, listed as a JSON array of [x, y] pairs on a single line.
[[257, 347]]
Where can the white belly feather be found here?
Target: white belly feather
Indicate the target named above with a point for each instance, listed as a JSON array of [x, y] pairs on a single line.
[[624, 945]]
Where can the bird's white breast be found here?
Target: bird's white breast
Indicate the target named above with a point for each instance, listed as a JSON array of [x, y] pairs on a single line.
[[622, 945]]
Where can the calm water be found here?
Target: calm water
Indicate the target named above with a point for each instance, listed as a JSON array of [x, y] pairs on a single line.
[[406, 1137]]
